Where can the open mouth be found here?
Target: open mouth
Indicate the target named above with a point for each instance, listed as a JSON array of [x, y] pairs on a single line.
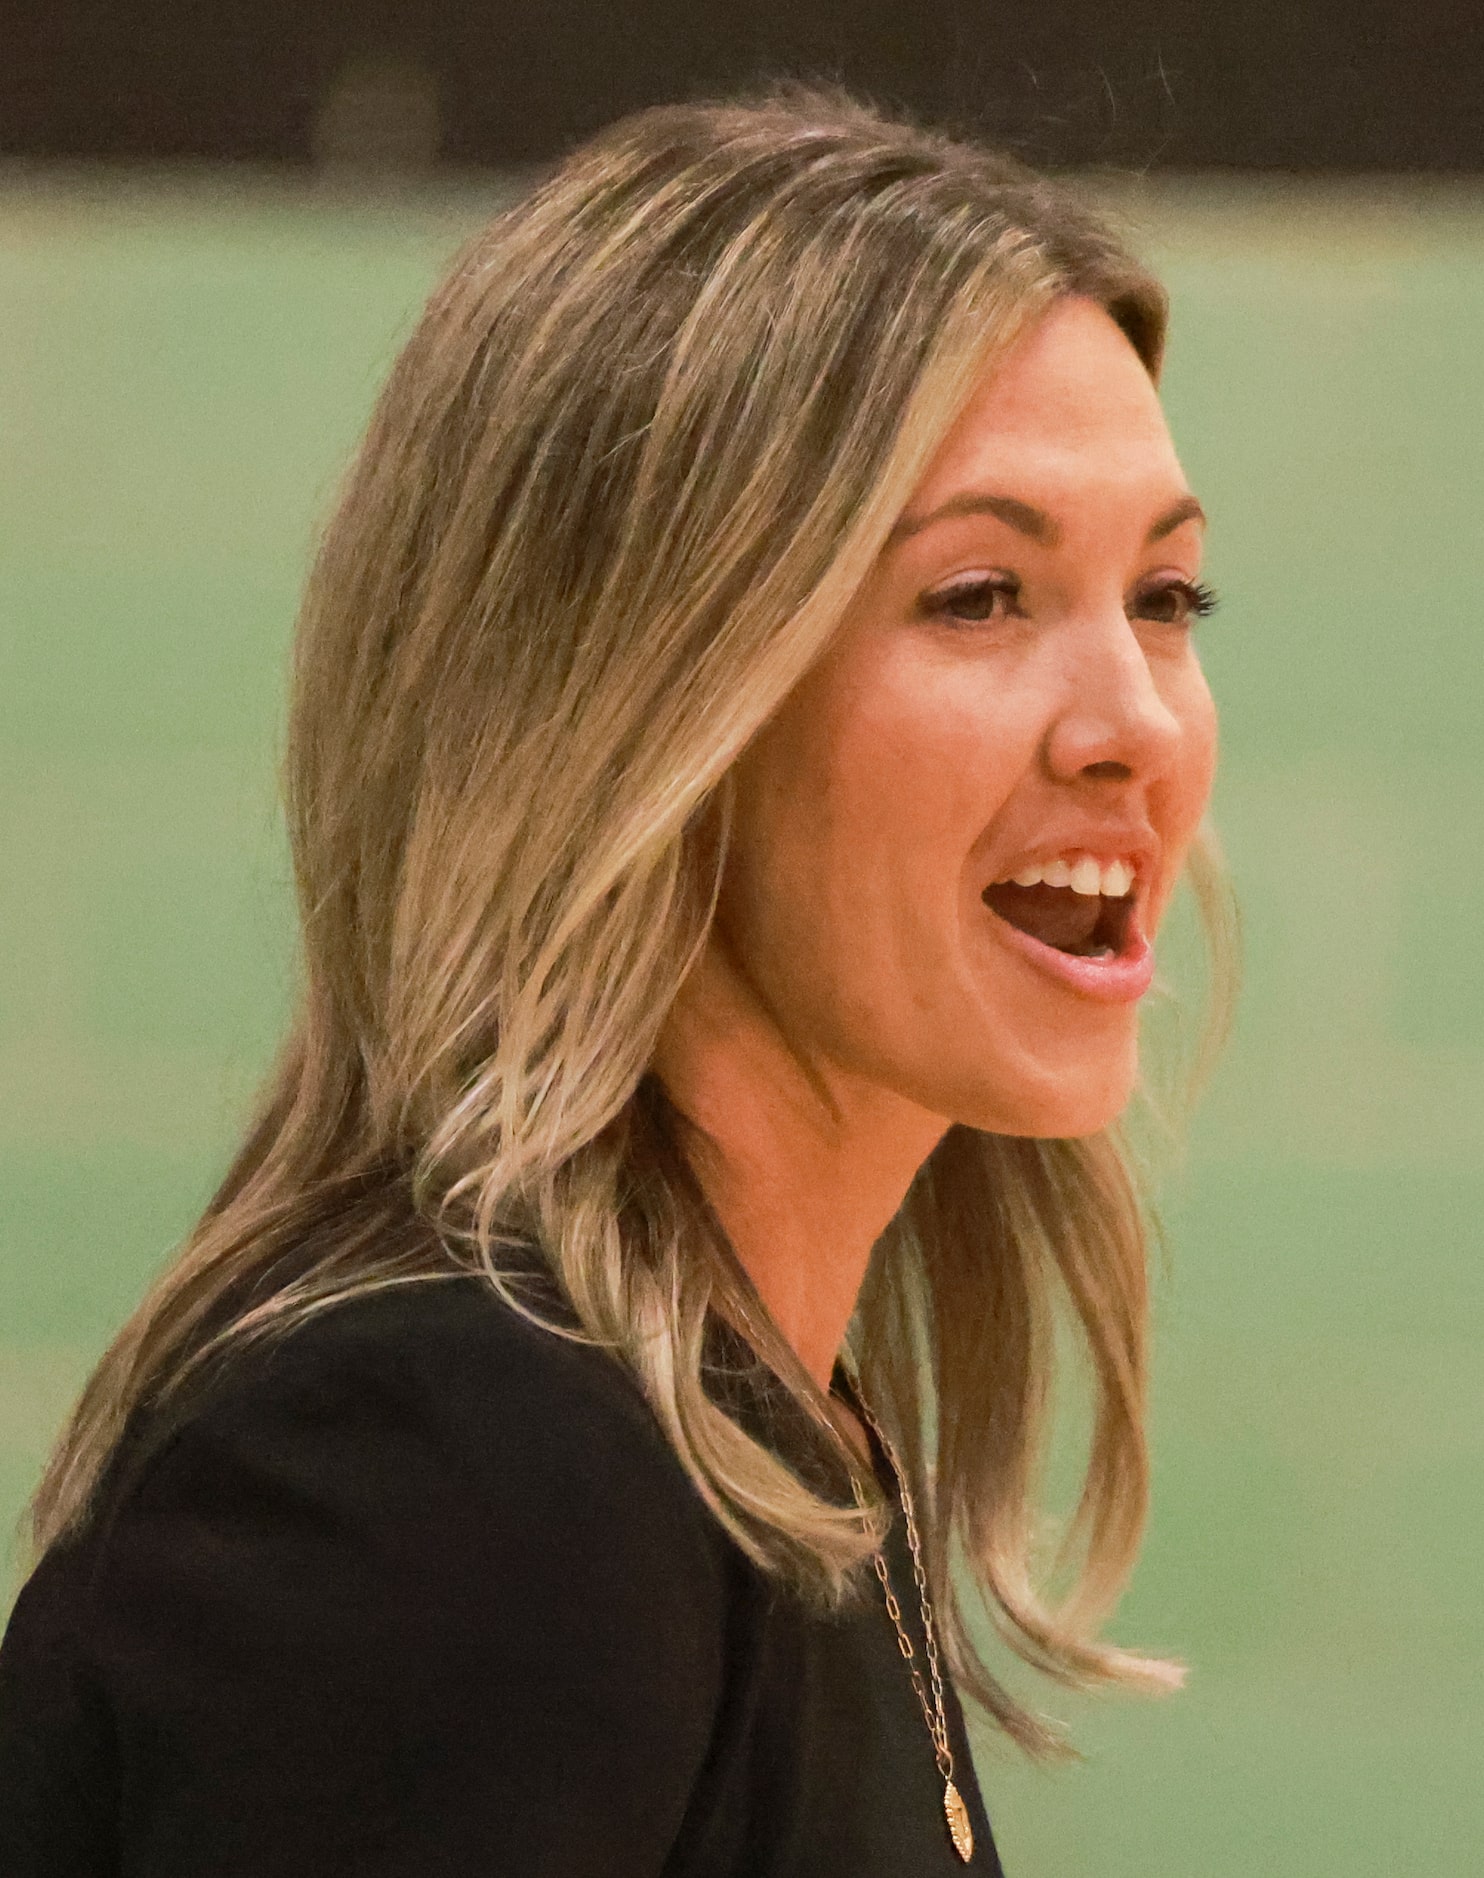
[[1083, 925]]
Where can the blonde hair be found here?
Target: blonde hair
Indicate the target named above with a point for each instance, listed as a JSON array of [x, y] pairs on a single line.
[[649, 436]]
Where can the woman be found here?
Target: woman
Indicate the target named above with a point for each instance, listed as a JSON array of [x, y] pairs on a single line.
[[746, 733]]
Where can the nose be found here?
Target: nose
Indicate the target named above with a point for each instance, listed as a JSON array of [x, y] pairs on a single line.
[[1114, 723]]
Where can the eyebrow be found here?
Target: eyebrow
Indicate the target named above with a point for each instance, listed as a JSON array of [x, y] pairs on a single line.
[[1033, 522]]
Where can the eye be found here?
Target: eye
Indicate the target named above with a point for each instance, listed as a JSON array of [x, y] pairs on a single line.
[[975, 599], [1174, 602]]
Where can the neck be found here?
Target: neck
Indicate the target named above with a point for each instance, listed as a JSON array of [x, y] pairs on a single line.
[[805, 1165]]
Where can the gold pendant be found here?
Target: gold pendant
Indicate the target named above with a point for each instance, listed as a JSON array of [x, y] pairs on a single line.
[[959, 1829]]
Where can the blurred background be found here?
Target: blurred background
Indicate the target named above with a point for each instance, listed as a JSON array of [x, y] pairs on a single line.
[[216, 224]]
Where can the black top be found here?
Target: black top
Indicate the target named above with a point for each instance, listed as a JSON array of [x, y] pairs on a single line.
[[421, 1591]]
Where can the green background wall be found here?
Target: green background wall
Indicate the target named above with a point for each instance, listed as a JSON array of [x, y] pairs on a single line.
[[181, 375]]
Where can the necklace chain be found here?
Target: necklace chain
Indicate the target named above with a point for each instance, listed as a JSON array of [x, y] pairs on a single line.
[[933, 1711]]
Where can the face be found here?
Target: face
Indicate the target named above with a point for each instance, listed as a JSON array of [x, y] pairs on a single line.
[[955, 840]]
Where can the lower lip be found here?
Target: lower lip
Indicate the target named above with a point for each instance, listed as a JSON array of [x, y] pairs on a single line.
[[1123, 979]]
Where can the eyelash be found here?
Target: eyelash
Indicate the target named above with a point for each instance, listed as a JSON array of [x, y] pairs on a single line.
[[1200, 599]]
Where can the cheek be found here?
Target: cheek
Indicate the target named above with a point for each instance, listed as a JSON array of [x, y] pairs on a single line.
[[859, 807], [920, 753], [1197, 769], [1181, 800]]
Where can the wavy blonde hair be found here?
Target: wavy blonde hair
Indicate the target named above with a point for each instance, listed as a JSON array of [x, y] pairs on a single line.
[[648, 438]]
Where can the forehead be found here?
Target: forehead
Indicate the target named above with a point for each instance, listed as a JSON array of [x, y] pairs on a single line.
[[1070, 403]]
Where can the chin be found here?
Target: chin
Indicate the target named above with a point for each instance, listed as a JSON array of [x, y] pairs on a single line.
[[1061, 1104]]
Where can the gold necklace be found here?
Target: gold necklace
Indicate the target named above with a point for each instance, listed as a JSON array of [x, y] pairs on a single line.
[[960, 1831]]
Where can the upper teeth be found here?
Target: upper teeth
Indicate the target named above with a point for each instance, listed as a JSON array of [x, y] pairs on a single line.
[[1083, 873]]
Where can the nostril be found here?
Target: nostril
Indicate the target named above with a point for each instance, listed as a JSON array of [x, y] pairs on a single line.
[[1109, 771]]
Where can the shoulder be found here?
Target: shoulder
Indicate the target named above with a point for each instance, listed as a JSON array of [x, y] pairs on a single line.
[[439, 1381], [446, 1346], [418, 1559], [440, 1424]]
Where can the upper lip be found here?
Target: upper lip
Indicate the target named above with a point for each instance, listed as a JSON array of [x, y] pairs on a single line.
[[1132, 842]]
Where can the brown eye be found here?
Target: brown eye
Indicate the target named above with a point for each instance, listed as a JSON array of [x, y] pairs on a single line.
[[1175, 603], [973, 602]]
